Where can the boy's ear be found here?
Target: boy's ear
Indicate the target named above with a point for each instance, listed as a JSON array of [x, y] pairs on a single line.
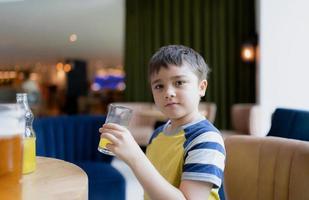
[[203, 86]]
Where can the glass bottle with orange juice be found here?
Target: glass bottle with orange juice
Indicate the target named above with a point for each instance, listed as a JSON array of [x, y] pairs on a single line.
[[29, 150]]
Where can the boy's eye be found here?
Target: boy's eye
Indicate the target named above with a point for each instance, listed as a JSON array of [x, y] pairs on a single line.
[[179, 83], [158, 86]]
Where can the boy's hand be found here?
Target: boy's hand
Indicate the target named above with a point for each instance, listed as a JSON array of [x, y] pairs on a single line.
[[123, 144]]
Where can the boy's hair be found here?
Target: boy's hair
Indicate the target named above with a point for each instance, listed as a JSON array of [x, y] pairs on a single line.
[[178, 55]]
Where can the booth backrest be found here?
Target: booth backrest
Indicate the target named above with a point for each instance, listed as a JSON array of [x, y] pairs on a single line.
[[209, 109], [268, 168], [70, 138], [290, 123], [245, 120]]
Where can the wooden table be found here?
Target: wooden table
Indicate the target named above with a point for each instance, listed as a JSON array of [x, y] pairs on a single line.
[[55, 179]]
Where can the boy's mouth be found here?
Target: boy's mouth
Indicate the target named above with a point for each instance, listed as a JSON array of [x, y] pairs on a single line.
[[170, 104]]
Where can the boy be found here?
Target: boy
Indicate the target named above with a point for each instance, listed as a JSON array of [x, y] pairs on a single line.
[[185, 157]]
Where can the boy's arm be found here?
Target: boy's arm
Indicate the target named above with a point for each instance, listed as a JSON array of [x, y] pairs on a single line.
[[195, 189], [155, 185]]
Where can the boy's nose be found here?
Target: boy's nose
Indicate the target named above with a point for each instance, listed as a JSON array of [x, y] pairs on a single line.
[[169, 96], [169, 93]]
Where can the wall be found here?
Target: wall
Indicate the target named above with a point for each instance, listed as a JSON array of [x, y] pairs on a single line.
[[284, 67]]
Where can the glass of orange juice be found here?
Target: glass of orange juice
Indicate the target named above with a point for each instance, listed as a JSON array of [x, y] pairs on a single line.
[[119, 115], [11, 129]]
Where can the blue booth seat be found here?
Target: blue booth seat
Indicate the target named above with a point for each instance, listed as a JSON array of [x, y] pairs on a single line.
[[290, 123], [75, 139]]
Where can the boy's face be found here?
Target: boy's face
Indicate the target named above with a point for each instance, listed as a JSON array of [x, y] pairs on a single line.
[[177, 91]]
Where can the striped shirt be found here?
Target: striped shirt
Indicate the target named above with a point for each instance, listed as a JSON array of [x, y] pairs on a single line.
[[194, 151]]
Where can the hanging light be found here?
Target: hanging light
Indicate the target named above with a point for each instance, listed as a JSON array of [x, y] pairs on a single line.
[[248, 52], [73, 37], [67, 68], [59, 66]]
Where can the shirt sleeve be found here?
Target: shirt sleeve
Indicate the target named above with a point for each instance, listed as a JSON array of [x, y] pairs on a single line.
[[205, 159]]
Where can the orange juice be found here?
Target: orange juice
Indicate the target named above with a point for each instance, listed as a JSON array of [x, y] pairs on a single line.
[[10, 166], [102, 146], [103, 143], [29, 161]]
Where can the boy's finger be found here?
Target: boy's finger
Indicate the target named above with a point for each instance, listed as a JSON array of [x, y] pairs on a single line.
[[110, 147], [114, 126], [114, 132], [110, 137]]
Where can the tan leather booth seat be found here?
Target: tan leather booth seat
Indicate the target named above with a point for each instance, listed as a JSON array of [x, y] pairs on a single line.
[[266, 168], [244, 120], [209, 110]]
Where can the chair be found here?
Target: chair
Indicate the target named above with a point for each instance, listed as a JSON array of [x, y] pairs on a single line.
[[209, 109], [75, 139], [290, 123], [244, 119], [266, 168]]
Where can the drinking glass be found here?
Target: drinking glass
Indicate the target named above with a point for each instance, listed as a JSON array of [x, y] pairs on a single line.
[[11, 131], [119, 115]]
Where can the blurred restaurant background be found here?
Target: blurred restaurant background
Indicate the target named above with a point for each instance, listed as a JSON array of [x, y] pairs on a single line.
[[73, 58], [76, 57]]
